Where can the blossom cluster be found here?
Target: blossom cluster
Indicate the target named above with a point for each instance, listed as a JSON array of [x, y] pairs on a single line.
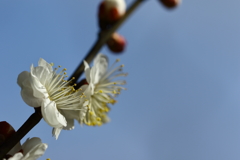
[[61, 103]]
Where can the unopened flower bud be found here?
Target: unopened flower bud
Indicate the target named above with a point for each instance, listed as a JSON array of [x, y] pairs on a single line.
[[170, 3], [110, 11], [116, 43], [6, 130]]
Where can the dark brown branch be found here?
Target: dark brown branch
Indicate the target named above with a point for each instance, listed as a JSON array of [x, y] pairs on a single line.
[[103, 37], [33, 120]]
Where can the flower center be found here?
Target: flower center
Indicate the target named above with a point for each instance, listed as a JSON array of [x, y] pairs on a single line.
[[62, 91]]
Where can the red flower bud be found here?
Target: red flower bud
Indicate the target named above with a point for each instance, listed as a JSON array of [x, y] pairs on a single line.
[[6, 130], [170, 3], [116, 43], [110, 11]]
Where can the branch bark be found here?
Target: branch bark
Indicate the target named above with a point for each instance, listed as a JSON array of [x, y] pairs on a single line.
[[103, 37]]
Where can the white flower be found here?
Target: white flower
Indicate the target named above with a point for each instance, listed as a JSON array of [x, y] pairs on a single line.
[[44, 87], [32, 149], [101, 90]]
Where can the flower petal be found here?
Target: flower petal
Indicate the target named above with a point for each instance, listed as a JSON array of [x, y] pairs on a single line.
[[51, 115], [70, 123], [101, 61], [87, 90], [56, 132], [45, 64], [33, 148], [87, 71], [22, 77], [29, 99], [43, 74], [39, 91], [30, 143], [17, 156], [25, 82], [70, 114], [94, 75]]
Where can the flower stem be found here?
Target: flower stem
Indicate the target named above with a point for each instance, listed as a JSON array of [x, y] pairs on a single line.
[[102, 38], [8, 144]]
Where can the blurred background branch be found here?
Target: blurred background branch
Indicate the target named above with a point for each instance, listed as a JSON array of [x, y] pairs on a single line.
[[104, 35]]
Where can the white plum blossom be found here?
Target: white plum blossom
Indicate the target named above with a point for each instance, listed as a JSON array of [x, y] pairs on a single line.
[[101, 89], [31, 150], [42, 86]]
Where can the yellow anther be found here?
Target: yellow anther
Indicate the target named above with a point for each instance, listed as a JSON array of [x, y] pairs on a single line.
[[114, 83], [64, 69], [114, 92], [122, 65], [75, 84], [98, 119], [100, 91], [112, 101], [73, 77], [91, 113], [99, 123], [65, 73], [106, 109], [117, 60], [59, 66], [48, 159], [52, 64]]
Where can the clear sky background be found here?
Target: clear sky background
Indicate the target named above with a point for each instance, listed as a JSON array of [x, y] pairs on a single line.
[[183, 97]]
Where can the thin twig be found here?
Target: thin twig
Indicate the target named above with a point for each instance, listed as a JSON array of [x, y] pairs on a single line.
[[104, 36]]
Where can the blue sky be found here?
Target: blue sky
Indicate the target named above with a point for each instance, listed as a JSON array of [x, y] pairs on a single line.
[[182, 101]]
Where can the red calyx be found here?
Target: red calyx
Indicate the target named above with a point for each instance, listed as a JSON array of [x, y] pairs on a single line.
[[170, 3]]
